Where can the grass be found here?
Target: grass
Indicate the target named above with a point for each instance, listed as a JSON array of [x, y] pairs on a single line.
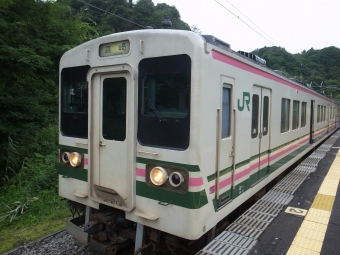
[[30, 206], [12, 237]]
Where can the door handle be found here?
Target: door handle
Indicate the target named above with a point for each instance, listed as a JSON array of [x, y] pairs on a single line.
[[101, 144]]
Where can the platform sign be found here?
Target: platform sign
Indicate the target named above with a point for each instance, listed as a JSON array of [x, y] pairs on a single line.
[[296, 211]]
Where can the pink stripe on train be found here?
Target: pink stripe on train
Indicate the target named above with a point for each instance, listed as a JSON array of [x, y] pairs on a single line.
[[245, 172]]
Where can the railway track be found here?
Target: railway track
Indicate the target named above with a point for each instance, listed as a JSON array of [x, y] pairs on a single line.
[[58, 243]]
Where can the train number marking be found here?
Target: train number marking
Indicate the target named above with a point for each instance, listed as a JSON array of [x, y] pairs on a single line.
[[296, 211], [246, 100]]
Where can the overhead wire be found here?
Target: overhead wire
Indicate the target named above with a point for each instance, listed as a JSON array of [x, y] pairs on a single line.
[[310, 70], [253, 22], [112, 14], [244, 22]]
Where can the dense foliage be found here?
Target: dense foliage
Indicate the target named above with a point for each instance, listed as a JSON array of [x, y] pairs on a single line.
[[143, 13], [33, 36], [312, 66]]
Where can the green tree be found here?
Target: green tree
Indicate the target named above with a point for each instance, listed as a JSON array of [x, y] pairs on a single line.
[[33, 36]]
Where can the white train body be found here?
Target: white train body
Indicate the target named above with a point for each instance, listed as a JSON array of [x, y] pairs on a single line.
[[225, 124]]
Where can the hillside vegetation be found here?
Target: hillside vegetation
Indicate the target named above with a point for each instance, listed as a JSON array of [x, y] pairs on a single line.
[[312, 66], [33, 36]]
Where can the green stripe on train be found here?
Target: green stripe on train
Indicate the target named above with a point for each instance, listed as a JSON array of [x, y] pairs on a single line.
[[190, 168], [189, 200], [73, 148], [263, 172], [79, 174], [247, 161]]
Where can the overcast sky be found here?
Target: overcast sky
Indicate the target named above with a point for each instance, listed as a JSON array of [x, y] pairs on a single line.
[[296, 25]]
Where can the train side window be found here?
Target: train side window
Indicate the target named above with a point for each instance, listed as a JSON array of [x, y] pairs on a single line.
[[255, 116], [265, 114], [318, 114], [303, 114], [324, 113], [226, 110], [285, 113], [296, 106]]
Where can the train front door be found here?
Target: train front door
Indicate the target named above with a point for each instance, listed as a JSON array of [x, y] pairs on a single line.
[[260, 133], [112, 129]]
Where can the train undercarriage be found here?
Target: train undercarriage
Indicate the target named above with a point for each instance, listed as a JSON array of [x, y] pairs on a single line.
[[107, 232]]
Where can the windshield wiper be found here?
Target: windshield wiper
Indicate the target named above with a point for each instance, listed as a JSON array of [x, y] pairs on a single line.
[[155, 110]]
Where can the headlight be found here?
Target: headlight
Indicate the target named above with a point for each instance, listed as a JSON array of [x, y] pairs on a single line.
[[158, 175], [75, 159], [176, 179], [65, 157]]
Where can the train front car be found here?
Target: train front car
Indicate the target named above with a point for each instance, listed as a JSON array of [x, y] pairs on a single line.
[[129, 107]]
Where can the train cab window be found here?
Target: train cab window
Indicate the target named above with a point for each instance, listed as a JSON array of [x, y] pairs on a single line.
[[74, 102], [164, 102], [318, 113], [255, 116], [285, 114], [303, 114], [226, 110], [295, 122], [265, 115]]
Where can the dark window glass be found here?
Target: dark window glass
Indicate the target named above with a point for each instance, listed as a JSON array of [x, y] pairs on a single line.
[[74, 102], [318, 114], [265, 115], [164, 102], [166, 95], [303, 114], [226, 112], [114, 109], [285, 113], [296, 106], [255, 116]]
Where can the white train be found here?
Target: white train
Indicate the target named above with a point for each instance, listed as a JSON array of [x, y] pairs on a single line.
[[163, 133]]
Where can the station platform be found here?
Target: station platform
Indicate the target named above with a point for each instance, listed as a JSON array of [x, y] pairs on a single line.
[[299, 216]]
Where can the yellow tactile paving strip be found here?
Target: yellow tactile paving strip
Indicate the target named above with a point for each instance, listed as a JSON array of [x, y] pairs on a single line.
[[309, 238]]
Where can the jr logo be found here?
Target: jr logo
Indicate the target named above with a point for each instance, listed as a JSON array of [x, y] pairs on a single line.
[[246, 100]]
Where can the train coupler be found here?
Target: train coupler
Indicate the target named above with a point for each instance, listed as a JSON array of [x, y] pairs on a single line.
[[93, 227]]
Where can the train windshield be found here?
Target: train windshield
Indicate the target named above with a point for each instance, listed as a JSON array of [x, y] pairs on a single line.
[[166, 95], [164, 102]]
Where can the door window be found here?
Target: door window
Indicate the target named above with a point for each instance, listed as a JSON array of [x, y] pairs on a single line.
[[114, 109], [226, 111], [255, 116], [265, 114]]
